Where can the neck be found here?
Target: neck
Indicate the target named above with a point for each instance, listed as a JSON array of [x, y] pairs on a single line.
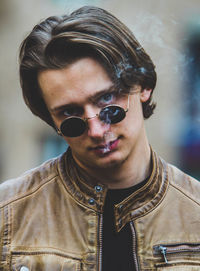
[[131, 172]]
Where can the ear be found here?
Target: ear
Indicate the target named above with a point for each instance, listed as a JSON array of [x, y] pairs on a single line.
[[145, 95]]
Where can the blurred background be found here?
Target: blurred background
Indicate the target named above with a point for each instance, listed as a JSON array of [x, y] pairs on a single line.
[[170, 33]]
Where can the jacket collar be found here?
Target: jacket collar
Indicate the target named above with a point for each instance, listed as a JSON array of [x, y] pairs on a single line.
[[92, 194]]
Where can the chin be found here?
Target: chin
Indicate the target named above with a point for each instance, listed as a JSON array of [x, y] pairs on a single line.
[[110, 162]]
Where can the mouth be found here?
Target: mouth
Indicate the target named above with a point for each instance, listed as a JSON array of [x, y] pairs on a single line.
[[104, 149]]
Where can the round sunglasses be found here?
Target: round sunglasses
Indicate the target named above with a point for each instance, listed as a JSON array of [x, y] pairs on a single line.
[[75, 126]]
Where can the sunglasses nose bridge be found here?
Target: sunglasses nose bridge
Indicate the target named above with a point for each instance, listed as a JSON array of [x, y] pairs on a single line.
[[93, 117]]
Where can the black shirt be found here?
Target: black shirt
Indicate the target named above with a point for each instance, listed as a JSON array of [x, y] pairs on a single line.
[[117, 247]]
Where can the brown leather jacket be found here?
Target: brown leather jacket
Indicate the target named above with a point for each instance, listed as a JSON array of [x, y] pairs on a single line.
[[51, 219]]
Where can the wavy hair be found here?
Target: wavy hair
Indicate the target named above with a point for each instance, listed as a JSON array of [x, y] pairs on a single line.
[[89, 31]]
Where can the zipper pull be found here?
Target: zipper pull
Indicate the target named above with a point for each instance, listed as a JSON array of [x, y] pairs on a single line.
[[163, 251]]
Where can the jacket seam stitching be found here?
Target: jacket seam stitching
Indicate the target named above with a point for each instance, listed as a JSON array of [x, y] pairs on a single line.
[[42, 250], [6, 238], [152, 209], [157, 204], [184, 193], [57, 254], [27, 193]]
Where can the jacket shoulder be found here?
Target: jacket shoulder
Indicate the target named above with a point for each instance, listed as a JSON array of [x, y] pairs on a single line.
[[28, 182], [183, 182]]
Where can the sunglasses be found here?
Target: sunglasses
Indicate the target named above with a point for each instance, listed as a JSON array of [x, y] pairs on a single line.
[[75, 126]]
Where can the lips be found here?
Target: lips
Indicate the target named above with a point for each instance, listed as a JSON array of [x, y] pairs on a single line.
[[104, 149]]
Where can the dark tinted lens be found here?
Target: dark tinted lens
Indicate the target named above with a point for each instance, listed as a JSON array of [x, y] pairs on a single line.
[[73, 127], [112, 114]]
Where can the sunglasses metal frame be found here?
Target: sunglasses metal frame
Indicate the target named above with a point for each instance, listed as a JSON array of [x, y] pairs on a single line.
[[97, 115]]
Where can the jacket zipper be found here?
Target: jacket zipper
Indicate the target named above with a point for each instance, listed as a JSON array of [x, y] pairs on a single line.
[[166, 250], [134, 246], [100, 242]]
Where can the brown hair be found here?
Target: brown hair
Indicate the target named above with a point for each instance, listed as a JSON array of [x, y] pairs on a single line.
[[88, 31]]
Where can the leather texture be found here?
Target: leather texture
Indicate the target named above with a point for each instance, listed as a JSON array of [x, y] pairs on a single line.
[[51, 219]]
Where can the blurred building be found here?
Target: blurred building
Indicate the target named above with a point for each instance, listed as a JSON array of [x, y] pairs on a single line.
[[169, 32]]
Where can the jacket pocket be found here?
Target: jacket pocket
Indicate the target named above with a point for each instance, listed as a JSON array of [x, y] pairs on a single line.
[[172, 257], [39, 261]]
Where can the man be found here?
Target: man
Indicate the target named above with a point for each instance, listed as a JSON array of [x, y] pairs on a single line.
[[109, 202]]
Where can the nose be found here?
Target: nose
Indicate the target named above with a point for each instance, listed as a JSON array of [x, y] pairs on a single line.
[[97, 128]]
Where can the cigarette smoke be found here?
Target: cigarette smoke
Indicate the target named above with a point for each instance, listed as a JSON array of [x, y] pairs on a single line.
[[109, 136], [161, 41]]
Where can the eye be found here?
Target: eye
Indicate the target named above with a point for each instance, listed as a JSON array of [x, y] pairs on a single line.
[[106, 99], [72, 111]]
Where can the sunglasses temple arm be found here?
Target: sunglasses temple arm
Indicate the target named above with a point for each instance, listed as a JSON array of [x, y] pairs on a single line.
[[127, 104], [58, 132], [129, 101]]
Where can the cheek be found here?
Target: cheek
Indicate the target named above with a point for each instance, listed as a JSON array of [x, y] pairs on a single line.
[[133, 121], [69, 141], [74, 143]]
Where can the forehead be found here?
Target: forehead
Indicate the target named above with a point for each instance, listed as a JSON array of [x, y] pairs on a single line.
[[74, 84]]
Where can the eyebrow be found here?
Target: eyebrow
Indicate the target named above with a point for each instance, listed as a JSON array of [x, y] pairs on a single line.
[[91, 98]]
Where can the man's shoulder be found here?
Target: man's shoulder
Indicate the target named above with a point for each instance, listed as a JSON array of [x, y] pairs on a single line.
[[184, 183], [28, 182]]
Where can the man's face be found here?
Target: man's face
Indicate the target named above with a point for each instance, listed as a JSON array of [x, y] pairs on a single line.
[[82, 89]]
